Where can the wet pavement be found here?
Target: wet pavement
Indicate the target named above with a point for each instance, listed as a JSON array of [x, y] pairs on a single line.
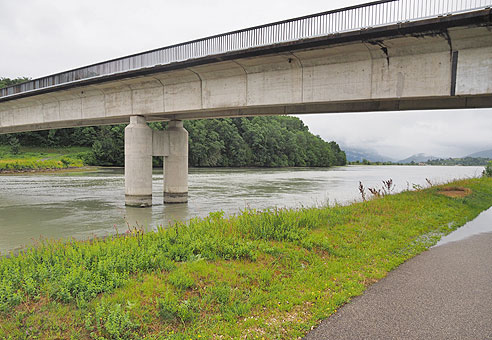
[[443, 293]]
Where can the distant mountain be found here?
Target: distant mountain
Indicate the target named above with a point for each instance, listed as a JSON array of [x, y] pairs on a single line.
[[482, 154], [354, 155], [418, 158]]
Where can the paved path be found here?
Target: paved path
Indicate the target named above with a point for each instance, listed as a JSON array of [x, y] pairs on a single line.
[[444, 293]]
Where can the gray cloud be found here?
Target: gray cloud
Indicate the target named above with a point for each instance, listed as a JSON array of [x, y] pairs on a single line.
[[47, 36], [452, 133]]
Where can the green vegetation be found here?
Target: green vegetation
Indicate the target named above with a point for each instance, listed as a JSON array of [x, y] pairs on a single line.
[[488, 170], [271, 274], [366, 162], [260, 141], [4, 82], [466, 161], [37, 158]]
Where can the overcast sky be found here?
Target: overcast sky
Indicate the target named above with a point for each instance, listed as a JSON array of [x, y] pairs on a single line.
[[41, 37]]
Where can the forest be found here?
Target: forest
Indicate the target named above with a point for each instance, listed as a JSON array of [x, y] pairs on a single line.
[[276, 141]]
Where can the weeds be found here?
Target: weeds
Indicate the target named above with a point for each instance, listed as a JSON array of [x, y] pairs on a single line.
[[181, 280], [387, 189], [362, 191], [171, 309], [111, 322], [388, 186]]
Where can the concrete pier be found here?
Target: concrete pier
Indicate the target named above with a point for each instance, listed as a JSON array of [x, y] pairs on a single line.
[[138, 163], [141, 143], [176, 164]]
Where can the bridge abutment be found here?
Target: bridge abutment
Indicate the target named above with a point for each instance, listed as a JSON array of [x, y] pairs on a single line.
[[176, 164], [138, 163]]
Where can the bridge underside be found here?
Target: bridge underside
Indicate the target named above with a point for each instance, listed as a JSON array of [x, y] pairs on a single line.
[[407, 104]]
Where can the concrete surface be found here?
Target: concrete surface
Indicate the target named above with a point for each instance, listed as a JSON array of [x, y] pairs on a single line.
[[444, 293], [138, 163], [176, 164]]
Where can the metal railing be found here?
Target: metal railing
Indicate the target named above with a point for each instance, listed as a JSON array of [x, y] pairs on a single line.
[[374, 14]]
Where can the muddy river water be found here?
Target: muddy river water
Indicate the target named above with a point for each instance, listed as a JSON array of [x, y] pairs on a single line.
[[89, 203]]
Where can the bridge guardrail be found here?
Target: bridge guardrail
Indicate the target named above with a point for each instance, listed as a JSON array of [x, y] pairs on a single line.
[[369, 15]]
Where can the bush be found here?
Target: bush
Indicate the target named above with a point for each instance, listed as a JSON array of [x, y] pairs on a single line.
[[14, 145], [488, 170]]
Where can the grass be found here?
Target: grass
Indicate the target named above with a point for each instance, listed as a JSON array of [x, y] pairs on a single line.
[[41, 158], [257, 275]]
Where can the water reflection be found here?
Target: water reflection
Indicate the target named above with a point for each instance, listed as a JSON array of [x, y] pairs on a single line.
[[482, 224]]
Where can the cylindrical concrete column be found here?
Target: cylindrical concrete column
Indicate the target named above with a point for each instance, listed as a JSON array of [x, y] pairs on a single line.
[[138, 163], [176, 164]]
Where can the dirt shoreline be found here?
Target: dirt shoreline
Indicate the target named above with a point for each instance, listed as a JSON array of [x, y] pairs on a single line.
[[33, 171]]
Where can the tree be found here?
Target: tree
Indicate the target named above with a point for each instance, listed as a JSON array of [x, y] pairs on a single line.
[[109, 146], [5, 82], [14, 145]]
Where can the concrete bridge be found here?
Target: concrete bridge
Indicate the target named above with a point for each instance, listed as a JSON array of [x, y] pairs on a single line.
[[382, 56]]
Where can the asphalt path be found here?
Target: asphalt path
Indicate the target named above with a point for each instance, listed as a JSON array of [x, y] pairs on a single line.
[[443, 293]]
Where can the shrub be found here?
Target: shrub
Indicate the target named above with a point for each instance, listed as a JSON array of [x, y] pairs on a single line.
[[488, 170], [14, 145]]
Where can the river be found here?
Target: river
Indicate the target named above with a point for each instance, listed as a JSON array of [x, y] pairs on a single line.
[[91, 203]]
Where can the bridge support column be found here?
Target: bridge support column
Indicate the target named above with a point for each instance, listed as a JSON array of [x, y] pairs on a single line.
[[176, 164], [138, 163]]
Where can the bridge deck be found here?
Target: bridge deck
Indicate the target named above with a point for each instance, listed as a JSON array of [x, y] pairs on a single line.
[[331, 24]]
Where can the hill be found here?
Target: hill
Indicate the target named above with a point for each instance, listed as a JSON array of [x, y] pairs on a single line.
[[418, 158], [354, 154], [482, 154]]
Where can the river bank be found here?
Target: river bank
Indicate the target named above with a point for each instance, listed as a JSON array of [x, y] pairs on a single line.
[[269, 275], [41, 159], [49, 170]]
